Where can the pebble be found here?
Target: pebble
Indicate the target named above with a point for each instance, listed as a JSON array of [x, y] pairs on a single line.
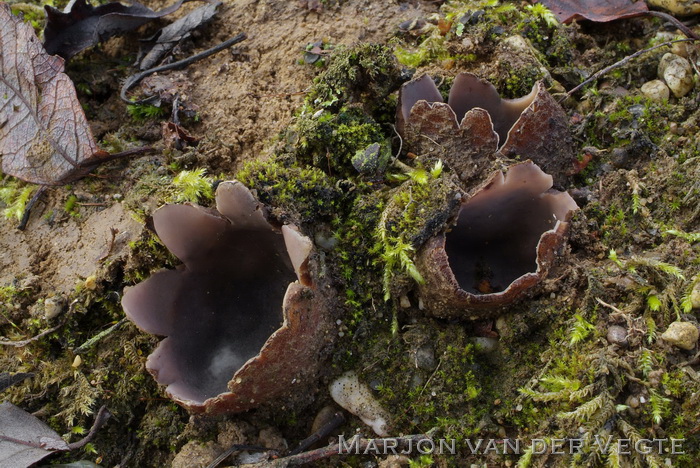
[[484, 344], [53, 306], [683, 335], [695, 296], [425, 358], [617, 335], [677, 73], [656, 90]]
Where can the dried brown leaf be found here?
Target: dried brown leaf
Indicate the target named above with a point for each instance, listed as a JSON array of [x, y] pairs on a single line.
[[83, 25], [44, 134], [600, 11]]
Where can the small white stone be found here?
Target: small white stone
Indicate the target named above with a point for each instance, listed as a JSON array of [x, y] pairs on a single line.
[[683, 335], [677, 73], [656, 90], [405, 302], [52, 307], [351, 394]]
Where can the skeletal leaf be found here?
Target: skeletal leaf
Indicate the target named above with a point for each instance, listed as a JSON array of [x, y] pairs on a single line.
[[24, 439], [82, 26], [44, 134]]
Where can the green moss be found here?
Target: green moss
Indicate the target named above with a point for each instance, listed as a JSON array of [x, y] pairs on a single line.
[[14, 194], [141, 112], [148, 254], [193, 186], [295, 194], [363, 74], [329, 141]]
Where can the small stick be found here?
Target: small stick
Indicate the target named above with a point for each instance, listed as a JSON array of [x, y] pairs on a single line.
[[676, 22], [96, 161], [234, 448], [19, 344], [92, 341], [618, 64], [610, 306], [324, 431], [133, 80], [102, 416], [110, 247], [28, 208], [358, 445]]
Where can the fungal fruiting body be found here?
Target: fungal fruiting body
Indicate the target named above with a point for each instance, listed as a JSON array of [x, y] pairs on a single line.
[[502, 243], [476, 126], [239, 329]]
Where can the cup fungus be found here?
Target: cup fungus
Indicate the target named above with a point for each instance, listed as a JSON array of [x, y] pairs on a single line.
[[476, 125], [239, 330], [503, 242]]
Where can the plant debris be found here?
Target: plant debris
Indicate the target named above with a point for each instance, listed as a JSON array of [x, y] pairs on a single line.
[[600, 11], [168, 37], [7, 380], [83, 25], [44, 134]]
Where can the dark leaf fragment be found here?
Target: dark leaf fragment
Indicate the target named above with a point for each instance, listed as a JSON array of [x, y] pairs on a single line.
[[69, 32], [44, 135], [599, 11], [168, 37], [24, 439], [7, 380]]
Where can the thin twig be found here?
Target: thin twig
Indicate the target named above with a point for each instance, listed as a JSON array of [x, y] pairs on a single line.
[[601, 302], [356, 445], [102, 416], [28, 208], [94, 162], [133, 80], [234, 448], [110, 246], [19, 344], [675, 21], [324, 431], [92, 341], [618, 64]]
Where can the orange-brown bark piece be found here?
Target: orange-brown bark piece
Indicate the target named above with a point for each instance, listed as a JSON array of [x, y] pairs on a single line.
[[44, 134]]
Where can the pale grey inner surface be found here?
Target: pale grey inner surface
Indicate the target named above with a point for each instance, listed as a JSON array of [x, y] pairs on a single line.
[[230, 305]]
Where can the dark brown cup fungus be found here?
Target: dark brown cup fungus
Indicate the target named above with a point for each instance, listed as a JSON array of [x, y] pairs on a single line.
[[476, 125], [503, 242], [240, 331]]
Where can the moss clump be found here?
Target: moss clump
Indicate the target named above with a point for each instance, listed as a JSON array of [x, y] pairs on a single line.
[[294, 194], [329, 141], [363, 74], [440, 396], [148, 254], [193, 186]]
